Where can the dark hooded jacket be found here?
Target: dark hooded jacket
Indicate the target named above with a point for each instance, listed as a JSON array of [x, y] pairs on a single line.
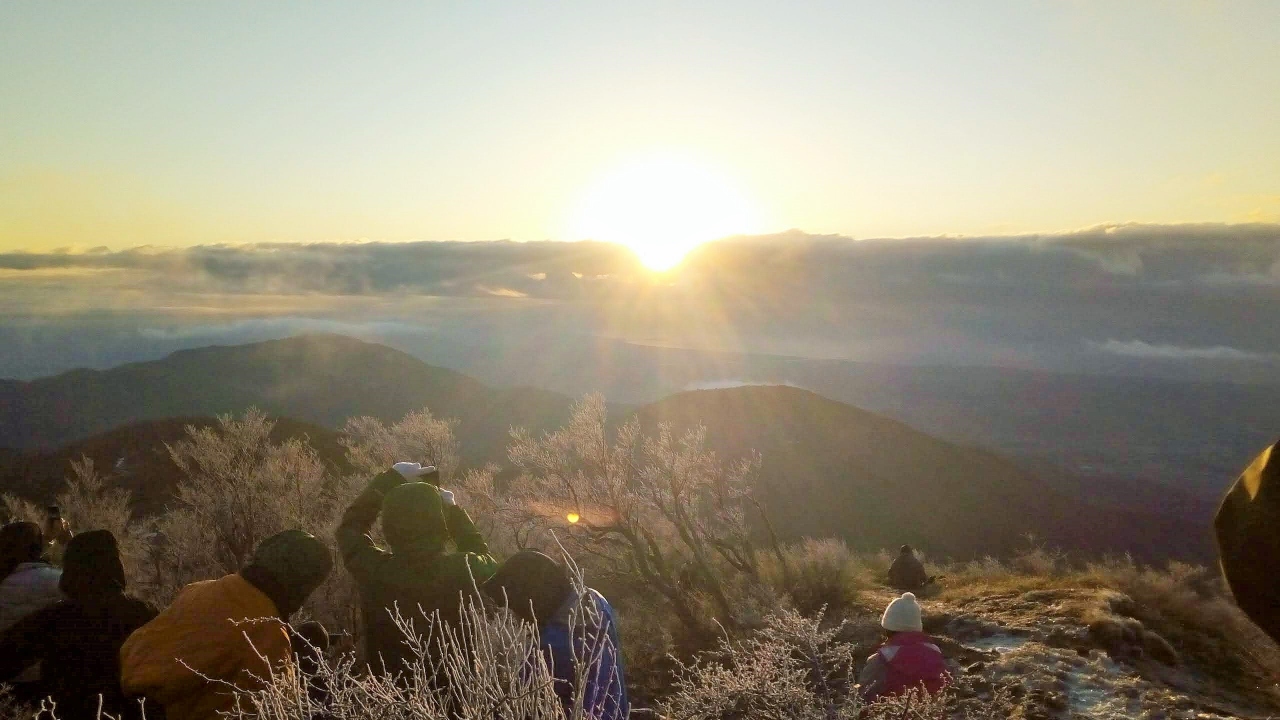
[[1248, 533], [78, 639], [907, 572], [572, 627], [418, 575]]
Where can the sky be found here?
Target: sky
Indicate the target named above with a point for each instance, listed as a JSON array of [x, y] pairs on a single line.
[[179, 124], [1072, 186]]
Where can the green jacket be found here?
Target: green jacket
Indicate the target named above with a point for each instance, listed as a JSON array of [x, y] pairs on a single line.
[[418, 575]]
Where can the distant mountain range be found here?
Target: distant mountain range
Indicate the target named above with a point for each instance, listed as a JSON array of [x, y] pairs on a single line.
[[1192, 435], [830, 469], [319, 379]]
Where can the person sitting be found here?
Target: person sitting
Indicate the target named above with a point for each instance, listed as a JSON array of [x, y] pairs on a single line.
[[77, 641], [1247, 530], [907, 573], [907, 660], [29, 584], [417, 577], [226, 634], [537, 589]]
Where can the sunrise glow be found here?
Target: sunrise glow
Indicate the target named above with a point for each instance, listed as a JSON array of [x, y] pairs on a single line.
[[662, 206]]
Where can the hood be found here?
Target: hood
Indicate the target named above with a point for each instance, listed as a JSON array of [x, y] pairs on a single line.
[[535, 585], [413, 518], [288, 567], [91, 566]]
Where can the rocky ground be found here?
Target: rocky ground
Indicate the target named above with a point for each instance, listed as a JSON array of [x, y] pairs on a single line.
[[1079, 653]]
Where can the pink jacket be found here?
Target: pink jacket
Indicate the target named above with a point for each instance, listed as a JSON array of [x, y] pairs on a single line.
[[907, 662]]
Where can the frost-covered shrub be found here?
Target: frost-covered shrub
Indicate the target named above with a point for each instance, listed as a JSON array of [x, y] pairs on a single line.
[[487, 667], [659, 509]]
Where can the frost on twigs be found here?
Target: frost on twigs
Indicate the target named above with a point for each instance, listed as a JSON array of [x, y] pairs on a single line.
[[658, 510], [486, 667]]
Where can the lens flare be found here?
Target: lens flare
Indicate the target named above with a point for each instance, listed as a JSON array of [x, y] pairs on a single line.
[[572, 518]]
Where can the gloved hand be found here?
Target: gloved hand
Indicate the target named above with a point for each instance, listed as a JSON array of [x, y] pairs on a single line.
[[446, 497], [411, 471]]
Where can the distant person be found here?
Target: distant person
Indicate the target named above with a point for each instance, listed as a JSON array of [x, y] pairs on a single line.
[[30, 584], [1247, 527], [907, 660], [230, 632], [907, 572], [77, 641], [418, 576], [537, 589]]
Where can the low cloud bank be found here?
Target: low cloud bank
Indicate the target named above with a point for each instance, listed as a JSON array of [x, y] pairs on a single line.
[[1102, 298], [1139, 349]]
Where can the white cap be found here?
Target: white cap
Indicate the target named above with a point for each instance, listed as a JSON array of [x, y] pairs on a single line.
[[902, 615]]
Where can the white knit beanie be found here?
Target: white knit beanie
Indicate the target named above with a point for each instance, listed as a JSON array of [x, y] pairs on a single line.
[[902, 615]]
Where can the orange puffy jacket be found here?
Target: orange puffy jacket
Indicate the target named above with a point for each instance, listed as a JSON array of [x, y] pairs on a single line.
[[224, 630]]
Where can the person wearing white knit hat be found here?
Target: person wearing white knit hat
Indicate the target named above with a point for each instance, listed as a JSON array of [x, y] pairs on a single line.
[[908, 660]]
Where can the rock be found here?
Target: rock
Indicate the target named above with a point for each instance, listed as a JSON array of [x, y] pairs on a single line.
[[976, 667], [1159, 649], [1122, 605], [1060, 638], [935, 623]]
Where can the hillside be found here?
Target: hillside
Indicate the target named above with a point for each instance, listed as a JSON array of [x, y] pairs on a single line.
[[320, 379], [134, 457], [831, 469], [1193, 435]]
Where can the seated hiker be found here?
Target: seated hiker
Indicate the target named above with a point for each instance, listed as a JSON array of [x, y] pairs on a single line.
[[539, 590], [907, 572], [29, 584], [908, 659], [77, 640], [418, 577], [225, 633], [1247, 528]]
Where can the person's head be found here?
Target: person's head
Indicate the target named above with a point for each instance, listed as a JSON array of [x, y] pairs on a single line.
[[19, 542], [531, 584], [906, 550], [295, 563], [413, 518], [91, 566], [902, 615]]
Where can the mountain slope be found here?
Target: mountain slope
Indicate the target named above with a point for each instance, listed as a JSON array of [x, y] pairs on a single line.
[[832, 469], [134, 457], [321, 379]]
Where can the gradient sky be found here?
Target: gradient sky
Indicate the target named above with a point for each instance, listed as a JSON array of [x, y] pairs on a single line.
[[181, 123]]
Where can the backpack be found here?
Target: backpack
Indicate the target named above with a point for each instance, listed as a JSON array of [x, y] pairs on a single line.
[[913, 661]]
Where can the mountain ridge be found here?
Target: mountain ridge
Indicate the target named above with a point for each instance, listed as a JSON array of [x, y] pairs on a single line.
[[830, 468]]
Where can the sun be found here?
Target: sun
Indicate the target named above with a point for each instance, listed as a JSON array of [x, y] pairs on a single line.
[[662, 206]]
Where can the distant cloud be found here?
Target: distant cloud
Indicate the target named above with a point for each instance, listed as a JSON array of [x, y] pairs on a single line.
[[1196, 293], [729, 384], [1140, 349]]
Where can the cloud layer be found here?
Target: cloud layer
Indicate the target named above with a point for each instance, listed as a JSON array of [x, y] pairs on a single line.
[[1101, 299]]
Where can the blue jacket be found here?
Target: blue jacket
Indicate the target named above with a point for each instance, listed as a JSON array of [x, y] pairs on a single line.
[[605, 691]]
